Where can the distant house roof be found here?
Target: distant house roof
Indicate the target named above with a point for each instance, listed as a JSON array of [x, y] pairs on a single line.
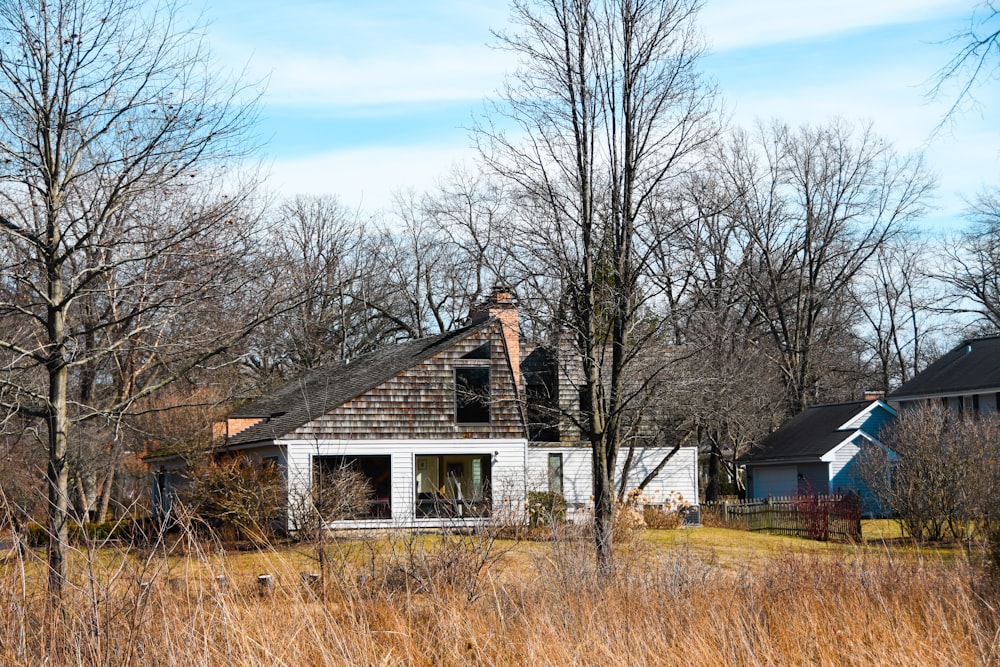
[[321, 389], [970, 367], [812, 433]]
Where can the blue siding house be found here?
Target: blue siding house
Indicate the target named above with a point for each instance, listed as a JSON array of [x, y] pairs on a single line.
[[819, 451]]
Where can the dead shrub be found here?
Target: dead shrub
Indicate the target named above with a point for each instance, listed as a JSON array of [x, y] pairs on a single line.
[[236, 497], [658, 517]]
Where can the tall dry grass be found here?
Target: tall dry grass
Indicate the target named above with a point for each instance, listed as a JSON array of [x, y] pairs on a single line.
[[444, 600]]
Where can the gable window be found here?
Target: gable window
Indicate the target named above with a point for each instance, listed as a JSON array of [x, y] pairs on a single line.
[[481, 352], [472, 395]]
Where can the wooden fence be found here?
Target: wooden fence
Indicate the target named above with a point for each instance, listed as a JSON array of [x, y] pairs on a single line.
[[814, 517]]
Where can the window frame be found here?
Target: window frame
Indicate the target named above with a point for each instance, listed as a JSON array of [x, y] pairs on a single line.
[[468, 412], [555, 473]]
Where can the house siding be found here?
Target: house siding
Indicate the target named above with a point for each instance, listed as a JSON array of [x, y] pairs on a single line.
[[814, 478], [568, 388], [507, 472], [771, 480], [843, 468], [679, 476], [877, 419], [847, 474], [419, 403]]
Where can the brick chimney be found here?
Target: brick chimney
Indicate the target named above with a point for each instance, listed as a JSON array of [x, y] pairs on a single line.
[[223, 430], [501, 306]]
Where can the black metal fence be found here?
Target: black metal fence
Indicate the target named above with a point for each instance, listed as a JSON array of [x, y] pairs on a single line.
[[815, 517]]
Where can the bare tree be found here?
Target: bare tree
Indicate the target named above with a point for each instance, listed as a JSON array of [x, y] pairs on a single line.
[[321, 263], [814, 206], [441, 252], [897, 300], [423, 290], [971, 270], [107, 105], [734, 396], [471, 211], [946, 476], [977, 57], [610, 108]]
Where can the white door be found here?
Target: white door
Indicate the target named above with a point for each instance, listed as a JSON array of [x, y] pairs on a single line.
[[775, 481]]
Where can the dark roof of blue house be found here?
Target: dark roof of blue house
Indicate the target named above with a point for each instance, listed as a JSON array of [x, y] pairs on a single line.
[[972, 366], [809, 435]]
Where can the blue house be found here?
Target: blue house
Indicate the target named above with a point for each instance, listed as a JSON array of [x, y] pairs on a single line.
[[819, 451]]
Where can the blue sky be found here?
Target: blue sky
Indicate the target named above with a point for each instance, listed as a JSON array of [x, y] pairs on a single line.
[[366, 97]]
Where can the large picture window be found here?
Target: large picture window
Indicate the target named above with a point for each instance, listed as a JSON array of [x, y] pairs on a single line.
[[352, 487], [455, 485], [472, 395]]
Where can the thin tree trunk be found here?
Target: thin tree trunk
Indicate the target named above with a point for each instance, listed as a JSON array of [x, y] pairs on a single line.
[[57, 472], [106, 491]]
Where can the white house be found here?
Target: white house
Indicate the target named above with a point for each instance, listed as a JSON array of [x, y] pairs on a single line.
[[438, 428], [967, 378]]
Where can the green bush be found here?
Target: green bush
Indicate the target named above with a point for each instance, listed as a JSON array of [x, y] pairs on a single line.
[[545, 507], [37, 535]]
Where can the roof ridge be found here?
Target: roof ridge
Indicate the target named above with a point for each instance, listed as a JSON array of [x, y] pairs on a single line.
[[860, 401]]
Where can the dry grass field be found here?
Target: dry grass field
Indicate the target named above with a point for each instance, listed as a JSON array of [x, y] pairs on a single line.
[[707, 596]]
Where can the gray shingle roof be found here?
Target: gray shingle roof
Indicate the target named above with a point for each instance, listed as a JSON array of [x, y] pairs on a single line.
[[320, 390], [973, 365], [809, 435]]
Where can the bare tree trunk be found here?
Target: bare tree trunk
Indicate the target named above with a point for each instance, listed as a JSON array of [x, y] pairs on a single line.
[[714, 475], [85, 138], [624, 108], [57, 473], [107, 490]]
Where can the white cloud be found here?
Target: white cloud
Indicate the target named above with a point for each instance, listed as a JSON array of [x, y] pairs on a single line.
[[429, 74], [338, 53], [731, 24], [366, 177]]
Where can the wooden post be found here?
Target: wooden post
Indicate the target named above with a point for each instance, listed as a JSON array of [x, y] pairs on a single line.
[[265, 585]]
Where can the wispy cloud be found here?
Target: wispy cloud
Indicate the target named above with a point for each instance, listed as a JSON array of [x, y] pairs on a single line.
[[731, 24], [367, 98], [430, 74], [367, 177], [340, 54]]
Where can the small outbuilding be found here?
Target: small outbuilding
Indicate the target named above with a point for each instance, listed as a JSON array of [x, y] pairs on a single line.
[[819, 452]]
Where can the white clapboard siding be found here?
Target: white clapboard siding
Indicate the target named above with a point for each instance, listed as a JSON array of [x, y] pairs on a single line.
[[507, 470], [842, 457], [678, 478]]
